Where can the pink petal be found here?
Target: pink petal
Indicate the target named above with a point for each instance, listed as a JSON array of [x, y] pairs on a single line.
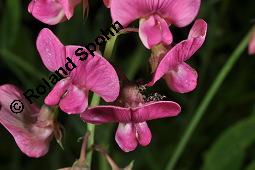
[[252, 45], [179, 12], [143, 133], [153, 31], [182, 51], [183, 79], [69, 7], [57, 92], [32, 139], [106, 114], [98, 75], [155, 110], [70, 52], [126, 11], [47, 11], [51, 50], [148, 111], [126, 137], [74, 101]]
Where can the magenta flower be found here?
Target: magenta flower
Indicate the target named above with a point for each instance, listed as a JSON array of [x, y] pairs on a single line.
[[155, 17], [132, 117], [252, 45], [52, 11], [179, 76], [93, 74], [32, 129]]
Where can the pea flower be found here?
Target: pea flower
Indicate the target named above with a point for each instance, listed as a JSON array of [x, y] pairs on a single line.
[[155, 17], [93, 74], [52, 12], [179, 76], [252, 44], [131, 115], [32, 129]]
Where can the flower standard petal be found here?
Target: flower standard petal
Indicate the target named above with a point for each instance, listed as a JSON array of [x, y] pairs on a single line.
[[126, 11], [51, 50], [179, 12]]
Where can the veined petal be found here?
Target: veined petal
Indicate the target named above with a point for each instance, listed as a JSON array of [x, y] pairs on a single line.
[[153, 31], [75, 100], [148, 111], [32, 139], [252, 45], [126, 137], [179, 12], [126, 11], [51, 50], [155, 110], [143, 133], [57, 92], [106, 114], [183, 79], [47, 11], [182, 51], [98, 75]]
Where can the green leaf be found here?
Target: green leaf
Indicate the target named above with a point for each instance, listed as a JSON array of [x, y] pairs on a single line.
[[10, 23], [228, 151], [251, 166]]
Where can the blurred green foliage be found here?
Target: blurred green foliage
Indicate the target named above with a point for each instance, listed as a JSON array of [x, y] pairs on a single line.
[[224, 138]]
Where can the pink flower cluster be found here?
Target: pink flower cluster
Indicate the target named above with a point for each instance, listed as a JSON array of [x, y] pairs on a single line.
[[34, 128]]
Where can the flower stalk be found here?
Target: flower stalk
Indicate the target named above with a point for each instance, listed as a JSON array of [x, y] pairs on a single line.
[[96, 100]]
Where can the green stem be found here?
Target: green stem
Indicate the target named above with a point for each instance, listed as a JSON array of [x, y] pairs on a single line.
[[96, 100], [206, 101], [110, 46]]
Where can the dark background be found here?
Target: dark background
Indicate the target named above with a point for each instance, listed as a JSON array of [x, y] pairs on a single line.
[[231, 111]]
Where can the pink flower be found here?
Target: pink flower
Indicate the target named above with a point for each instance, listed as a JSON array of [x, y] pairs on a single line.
[[32, 129], [93, 74], [179, 76], [252, 44], [132, 117], [52, 11], [155, 17]]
